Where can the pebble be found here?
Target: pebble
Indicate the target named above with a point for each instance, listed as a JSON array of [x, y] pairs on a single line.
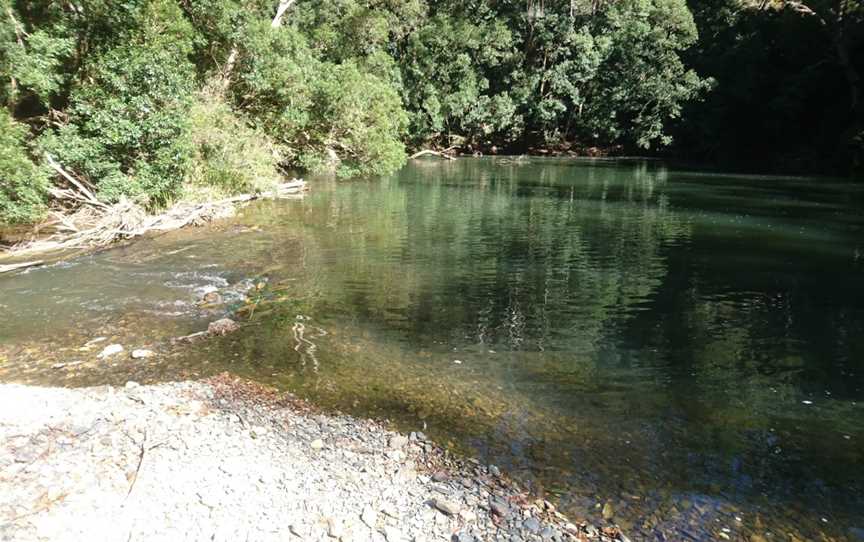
[[532, 525], [141, 354], [197, 442], [392, 534], [467, 516], [369, 517], [110, 350], [608, 512], [398, 442], [445, 506], [499, 508]]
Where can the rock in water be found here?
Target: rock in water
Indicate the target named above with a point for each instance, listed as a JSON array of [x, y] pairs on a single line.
[[608, 511], [223, 326], [212, 298], [110, 350], [141, 354]]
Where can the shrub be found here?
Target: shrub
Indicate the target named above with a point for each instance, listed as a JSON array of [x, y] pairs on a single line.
[[229, 157], [129, 129], [325, 114], [23, 185]]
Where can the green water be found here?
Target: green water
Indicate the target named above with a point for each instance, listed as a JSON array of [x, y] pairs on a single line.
[[688, 347]]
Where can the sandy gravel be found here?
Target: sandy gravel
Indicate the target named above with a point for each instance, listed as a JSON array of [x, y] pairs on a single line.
[[224, 460]]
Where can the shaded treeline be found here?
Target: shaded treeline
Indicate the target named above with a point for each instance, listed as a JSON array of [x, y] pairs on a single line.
[[155, 100]]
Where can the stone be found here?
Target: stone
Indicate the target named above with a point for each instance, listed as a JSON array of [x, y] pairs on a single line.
[[445, 506], [468, 516], [141, 354], [608, 512], [222, 326], [392, 534], [396, 455], [132, 385], [499, 508], [317, 444], [532, 525], [369, 517], [110, 350], [390, 510], [440, 476], [398, 442], [494, 471], [212, 298]]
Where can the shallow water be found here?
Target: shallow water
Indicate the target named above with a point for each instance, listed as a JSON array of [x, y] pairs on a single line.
[[687, 347]]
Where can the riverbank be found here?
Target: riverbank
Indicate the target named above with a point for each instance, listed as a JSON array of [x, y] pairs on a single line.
[[224, 459], [94, 225]]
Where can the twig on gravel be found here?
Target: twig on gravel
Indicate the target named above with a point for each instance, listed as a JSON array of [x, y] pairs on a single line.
[[143, 450]]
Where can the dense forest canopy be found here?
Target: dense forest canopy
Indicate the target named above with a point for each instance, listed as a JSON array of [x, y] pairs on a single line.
[[156, 100]]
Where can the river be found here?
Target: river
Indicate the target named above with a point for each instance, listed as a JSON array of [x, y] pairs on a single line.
[[679, 351]]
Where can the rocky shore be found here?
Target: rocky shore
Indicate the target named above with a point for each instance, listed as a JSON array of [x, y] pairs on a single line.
[[228, 460]]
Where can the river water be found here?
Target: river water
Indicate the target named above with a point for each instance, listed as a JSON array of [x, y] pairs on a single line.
[[682, 349]]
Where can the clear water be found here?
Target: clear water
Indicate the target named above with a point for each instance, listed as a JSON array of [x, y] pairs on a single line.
[[688, 347]]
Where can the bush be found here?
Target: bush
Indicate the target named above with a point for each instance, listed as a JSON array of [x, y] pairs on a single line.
[[128, 130], [326, 115], [23, 185], [229, 156]]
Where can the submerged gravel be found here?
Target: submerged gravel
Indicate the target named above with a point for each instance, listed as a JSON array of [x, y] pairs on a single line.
[[226, 460]]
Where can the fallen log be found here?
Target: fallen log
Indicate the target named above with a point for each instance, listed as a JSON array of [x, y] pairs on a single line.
[[16, 266], [426, 152]]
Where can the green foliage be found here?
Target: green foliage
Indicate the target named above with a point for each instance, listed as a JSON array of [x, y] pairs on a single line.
[[229, 157], [643, 83], [447, 90], [128, 130], [327, 115], [109, 87], [23, 185]]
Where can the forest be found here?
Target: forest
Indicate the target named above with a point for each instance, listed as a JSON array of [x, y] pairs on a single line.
[[158, 101]]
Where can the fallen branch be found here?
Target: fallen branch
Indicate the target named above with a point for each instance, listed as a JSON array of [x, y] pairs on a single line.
[[96, 225], [428, 152], [16, 266], [86, 195]]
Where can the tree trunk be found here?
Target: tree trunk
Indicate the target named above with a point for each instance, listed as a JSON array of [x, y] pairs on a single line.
[[280, 11]]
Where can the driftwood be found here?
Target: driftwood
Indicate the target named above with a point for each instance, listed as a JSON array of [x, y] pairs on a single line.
[[16, 266], [426, 152], [95, 224]]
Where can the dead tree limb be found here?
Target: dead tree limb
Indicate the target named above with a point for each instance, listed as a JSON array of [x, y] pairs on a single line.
[[280, 11], [426, 152], [16, 266]]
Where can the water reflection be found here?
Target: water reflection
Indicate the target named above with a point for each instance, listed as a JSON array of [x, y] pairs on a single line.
[[684, 347]]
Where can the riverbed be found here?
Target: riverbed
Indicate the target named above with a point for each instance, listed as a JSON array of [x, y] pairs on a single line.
[[677, 352]]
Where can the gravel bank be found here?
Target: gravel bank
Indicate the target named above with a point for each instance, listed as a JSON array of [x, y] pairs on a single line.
[[226, 460]]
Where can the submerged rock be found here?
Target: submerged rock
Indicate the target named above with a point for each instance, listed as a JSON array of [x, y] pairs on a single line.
[[223, 326], [110, 350], [212, 298], [608, 511], [141, 354]]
